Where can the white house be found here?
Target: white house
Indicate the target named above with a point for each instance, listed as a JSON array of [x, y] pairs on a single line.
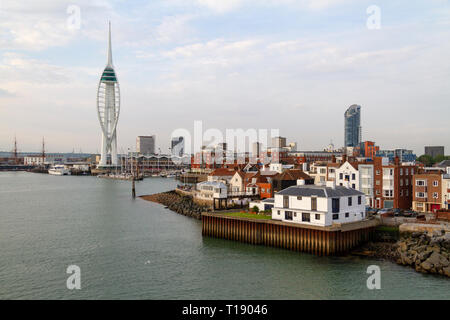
[[347, 175], [319, 205], [211, 189]]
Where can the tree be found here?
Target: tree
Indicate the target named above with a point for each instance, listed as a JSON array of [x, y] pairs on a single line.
[[426, 160], [255, 209]]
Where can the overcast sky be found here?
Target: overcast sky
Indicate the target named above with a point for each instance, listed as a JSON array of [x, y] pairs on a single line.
[[291, 65]]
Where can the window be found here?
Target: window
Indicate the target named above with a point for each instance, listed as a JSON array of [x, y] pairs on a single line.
[[420, 183], [401, 182], [435, 183], [295, 214], [378, 192], [406, 171], [305, 217], [353, 186], [349, 201], [335, 205], [378, 172], [317, 216], [336, 216], [278, 212], [288, 215], [407, 193], [420, 195], [341, 176], [359, 199], [435, 195], [313, 204], [401, 171], [347, 214], [285, 201], [353, 176], [299, 198], [378, 182], [401, 193], [406, 182]]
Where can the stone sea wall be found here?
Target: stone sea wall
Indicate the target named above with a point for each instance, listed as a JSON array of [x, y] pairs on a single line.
[[178, 203], [426, 253]]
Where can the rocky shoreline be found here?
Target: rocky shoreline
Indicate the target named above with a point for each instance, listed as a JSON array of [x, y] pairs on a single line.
[[178, 203], [425, 253]]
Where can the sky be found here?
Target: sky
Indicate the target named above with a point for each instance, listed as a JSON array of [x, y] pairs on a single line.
[[291, 65]]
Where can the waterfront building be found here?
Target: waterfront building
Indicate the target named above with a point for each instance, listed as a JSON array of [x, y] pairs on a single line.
[[209, 190], [352, 121], [319, 205], [223, 175], [434, 151], [108, 108], [145, 144], [427, 190], [393, 183], [177, 146], [36, 160]]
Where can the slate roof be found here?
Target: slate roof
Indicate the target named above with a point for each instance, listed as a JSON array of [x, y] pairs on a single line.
[[319, 191]]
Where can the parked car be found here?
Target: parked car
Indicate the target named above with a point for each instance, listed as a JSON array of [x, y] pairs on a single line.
[[384, 210], [398, 212], [410, 214]]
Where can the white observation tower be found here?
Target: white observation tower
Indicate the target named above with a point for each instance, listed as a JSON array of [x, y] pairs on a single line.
[[108, 108]]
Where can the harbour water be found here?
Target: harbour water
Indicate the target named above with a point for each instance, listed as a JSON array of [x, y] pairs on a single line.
[[134, 249]]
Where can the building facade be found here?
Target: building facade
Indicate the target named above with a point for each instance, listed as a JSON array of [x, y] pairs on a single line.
[[427, 191], [352, 123], [145, 144], [434, 151], [319, 205]]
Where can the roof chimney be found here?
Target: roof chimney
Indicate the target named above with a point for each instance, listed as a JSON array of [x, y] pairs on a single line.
[[397, 160], [333, 158], [344, 158]]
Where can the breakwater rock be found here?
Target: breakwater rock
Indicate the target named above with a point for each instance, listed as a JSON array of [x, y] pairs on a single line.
[[178, 203], [425, 253]]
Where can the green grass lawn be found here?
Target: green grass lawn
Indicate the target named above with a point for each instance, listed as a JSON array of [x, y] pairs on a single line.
[[247, 215]]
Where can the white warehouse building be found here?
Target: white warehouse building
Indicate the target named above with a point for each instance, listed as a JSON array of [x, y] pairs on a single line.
[[319, 205]]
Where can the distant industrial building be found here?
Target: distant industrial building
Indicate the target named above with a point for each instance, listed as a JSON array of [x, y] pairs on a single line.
[[352, 122], [177, 146], [434, 151], [145, 144]]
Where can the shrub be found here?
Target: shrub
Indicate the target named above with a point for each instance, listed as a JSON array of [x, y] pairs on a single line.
[[255, 209]]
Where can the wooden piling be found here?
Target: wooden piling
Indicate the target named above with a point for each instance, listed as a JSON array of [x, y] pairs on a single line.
[[291, 236]]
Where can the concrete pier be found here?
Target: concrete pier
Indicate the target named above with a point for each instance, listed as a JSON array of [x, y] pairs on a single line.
[[312, 239]]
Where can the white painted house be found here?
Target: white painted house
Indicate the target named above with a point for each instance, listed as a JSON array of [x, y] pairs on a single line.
[[208, 190], [319, 205], [347, 175]]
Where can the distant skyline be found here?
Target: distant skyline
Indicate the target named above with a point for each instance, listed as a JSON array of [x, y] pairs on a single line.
[[290, 65]]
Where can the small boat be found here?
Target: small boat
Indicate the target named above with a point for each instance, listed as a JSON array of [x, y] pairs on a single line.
[[59, 170]]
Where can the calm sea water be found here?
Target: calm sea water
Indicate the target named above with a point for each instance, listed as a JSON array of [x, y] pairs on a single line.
[[134, 249]]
